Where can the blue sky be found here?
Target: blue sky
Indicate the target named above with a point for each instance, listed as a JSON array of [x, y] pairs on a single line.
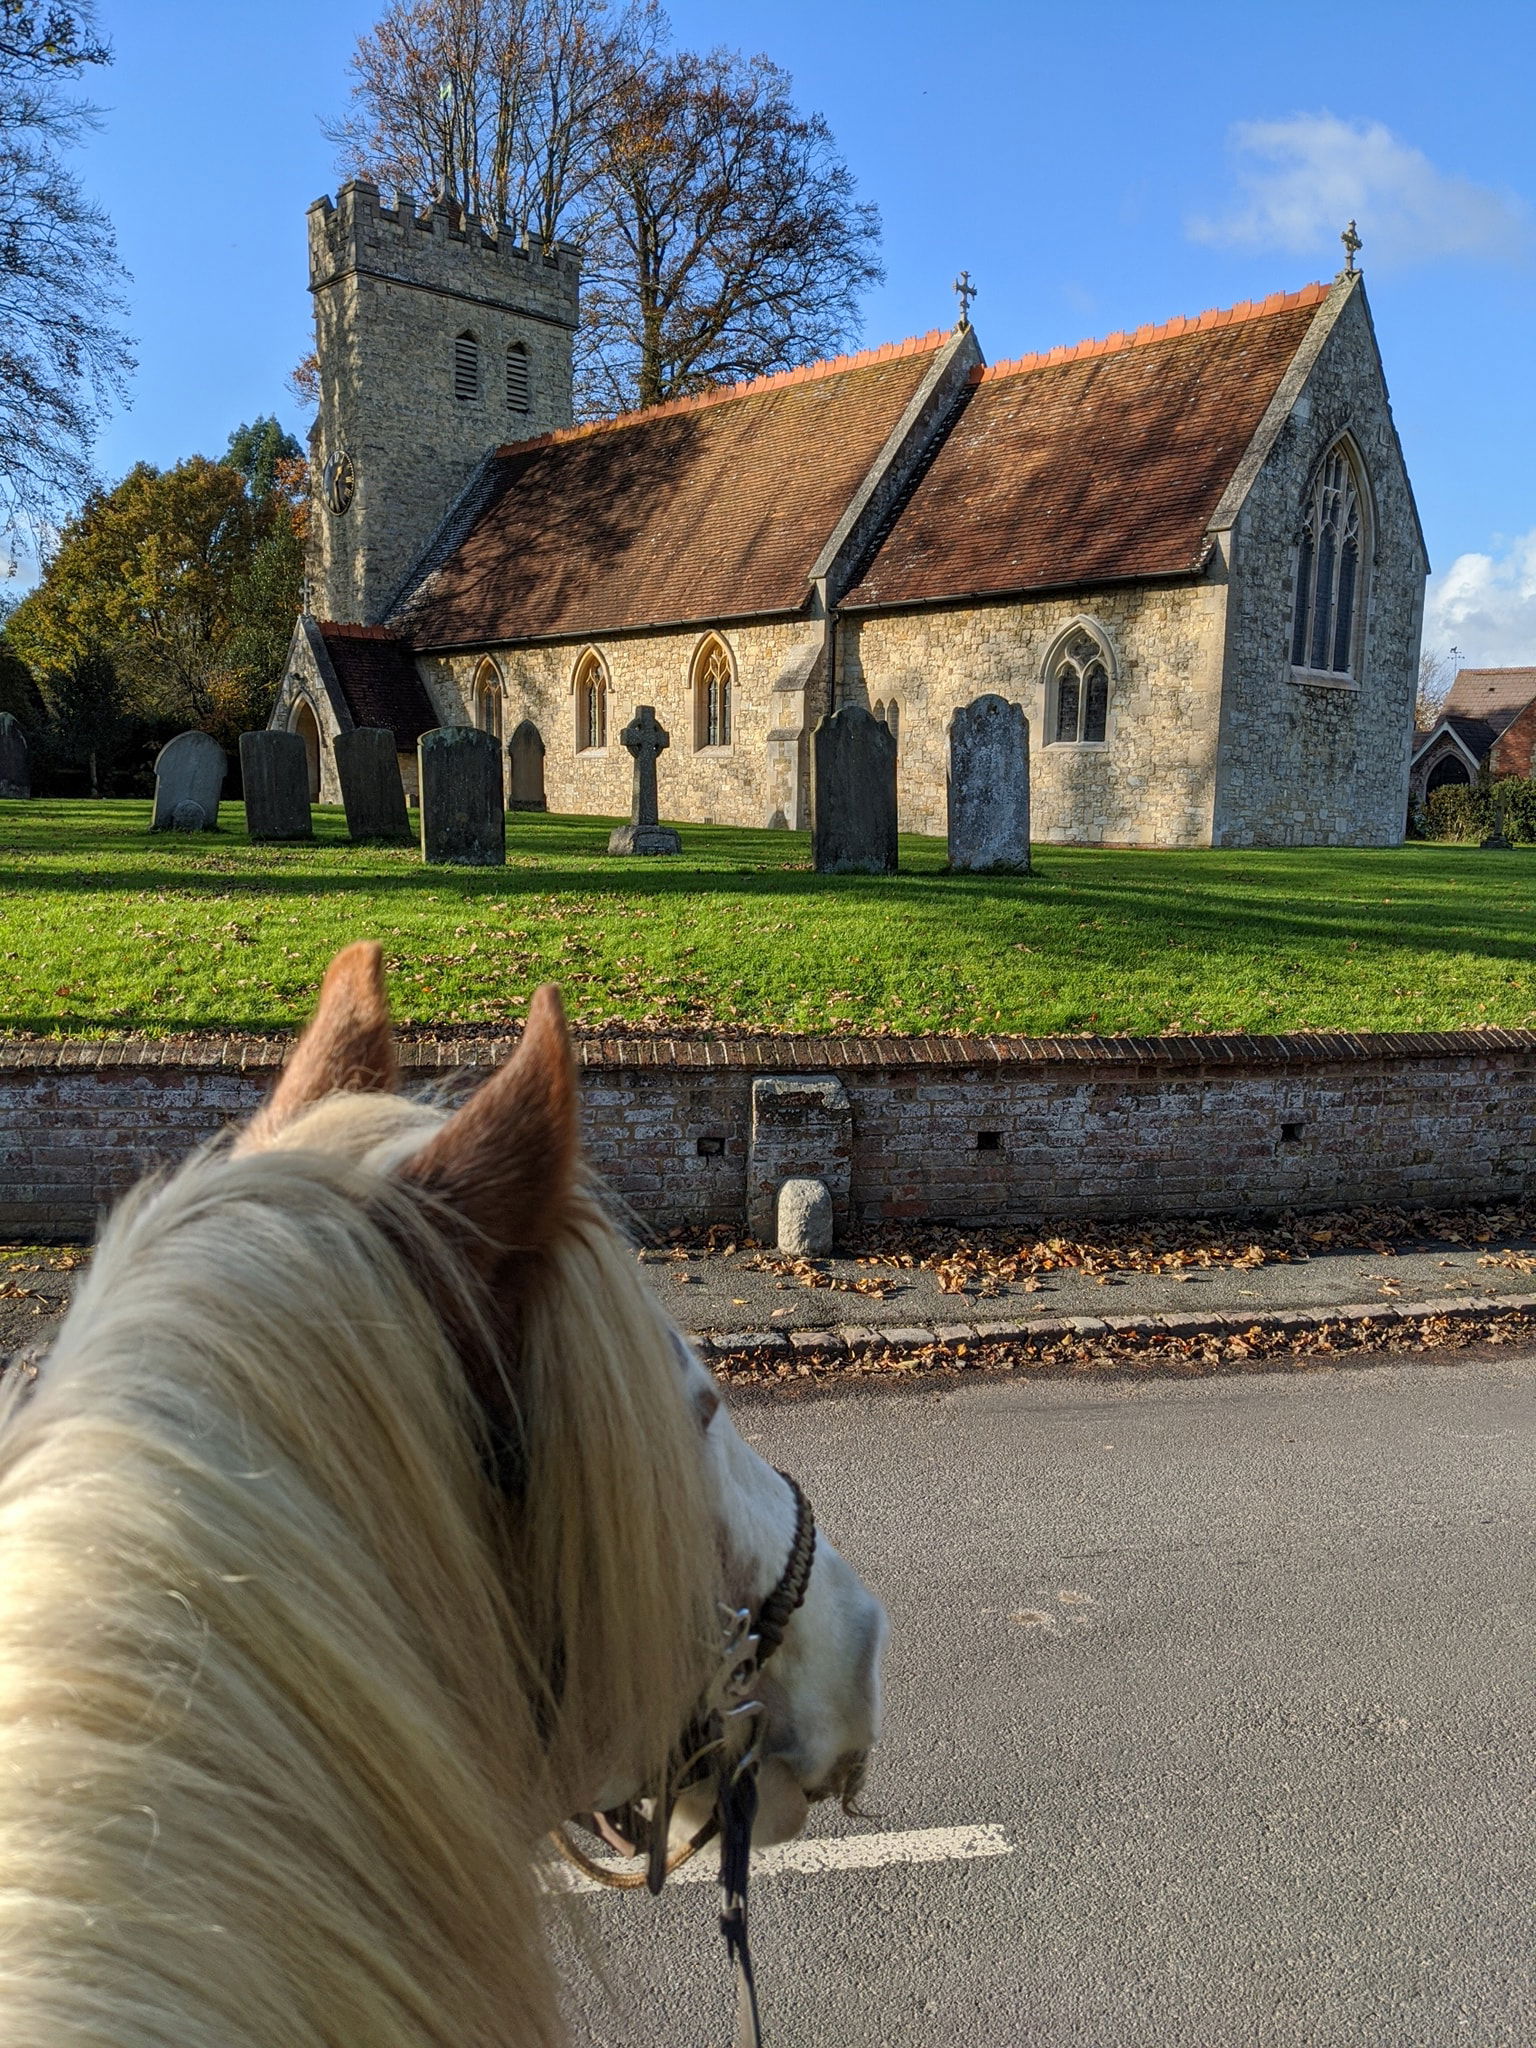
[[1093, 167]]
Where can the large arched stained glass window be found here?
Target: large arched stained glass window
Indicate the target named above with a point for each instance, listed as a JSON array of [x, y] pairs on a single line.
[[1331, 554]]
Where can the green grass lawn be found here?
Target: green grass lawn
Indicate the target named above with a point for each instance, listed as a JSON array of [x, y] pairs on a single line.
[[105, 930]]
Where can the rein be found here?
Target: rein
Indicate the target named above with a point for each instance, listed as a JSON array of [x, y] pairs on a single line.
[[705, 1750]]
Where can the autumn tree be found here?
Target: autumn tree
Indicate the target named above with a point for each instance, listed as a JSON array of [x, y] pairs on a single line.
[[62, 358], [187, 580], [719, 229]]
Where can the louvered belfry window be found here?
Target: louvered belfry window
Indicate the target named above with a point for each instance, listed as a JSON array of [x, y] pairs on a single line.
[[517, 377], [1330, 552], [466, 367]]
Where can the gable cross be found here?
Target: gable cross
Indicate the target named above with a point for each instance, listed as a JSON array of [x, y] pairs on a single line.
[[964, 291], [1352, 246]]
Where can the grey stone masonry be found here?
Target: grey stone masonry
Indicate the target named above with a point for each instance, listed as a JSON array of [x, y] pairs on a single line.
[[525, 759], [805, 1219], [853, 794], [463, 822], [989, 788], [802, 1129], [368, 769], [415, 315], [189, 780], [274, 771], [15, 768], [647, 741]]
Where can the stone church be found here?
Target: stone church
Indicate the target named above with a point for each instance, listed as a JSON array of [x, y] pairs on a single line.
[[1190, 552]]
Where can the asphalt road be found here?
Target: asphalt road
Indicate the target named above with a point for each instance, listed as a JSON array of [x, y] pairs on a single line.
[[1241, 1670]]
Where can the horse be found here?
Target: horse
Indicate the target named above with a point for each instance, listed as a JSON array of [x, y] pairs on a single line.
[[366, 1519]]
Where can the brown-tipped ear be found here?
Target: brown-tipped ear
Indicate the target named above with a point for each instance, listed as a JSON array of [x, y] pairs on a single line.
[[506, 1162], [348, 1043]]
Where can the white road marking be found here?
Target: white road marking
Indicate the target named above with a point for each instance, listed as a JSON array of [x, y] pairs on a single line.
[[834, 1852]]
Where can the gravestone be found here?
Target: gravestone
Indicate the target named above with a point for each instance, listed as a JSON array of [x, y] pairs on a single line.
[[1498, 840], [853, 794], [189, 779], [989, 788], [463, 822], [645, 739], [371, 790], [15, 767], [525, 755], [274, 770]]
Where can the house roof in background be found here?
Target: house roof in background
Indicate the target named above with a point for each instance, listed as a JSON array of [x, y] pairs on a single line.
[[379, 679], [711, 508], [1494, 697], [1095, 464]]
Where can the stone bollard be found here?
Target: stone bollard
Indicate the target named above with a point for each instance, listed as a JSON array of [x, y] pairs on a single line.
[[805, 1219]]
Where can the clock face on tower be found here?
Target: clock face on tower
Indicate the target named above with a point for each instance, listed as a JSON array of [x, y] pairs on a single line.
[[338, 482]]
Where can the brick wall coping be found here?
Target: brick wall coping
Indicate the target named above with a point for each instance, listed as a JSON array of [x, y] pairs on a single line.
[[766, 1055]]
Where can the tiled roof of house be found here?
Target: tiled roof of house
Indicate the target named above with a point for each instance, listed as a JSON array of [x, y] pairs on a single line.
[[1494, 696], [1092, 464], [378, 677], [711, 508]]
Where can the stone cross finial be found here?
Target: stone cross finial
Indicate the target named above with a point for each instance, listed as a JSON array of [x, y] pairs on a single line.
[[645, 738], [965, 291], [1352, 246]]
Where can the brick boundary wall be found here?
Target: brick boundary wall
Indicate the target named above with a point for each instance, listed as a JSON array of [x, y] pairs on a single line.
[[961, 1130]]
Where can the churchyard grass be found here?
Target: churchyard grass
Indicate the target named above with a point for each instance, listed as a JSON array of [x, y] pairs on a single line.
[[105, 930]]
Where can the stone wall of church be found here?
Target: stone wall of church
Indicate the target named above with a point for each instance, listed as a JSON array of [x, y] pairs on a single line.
[[1149, 784], [730, 785], [1308, 763]]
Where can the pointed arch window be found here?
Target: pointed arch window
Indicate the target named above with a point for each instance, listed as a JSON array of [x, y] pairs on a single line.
[[466, 367], [1077, 692], [713, 680], [591, 686], [490, 699], [517, 377], [1332, 548]]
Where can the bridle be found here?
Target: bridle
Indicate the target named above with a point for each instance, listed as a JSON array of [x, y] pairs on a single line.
[[707, 1751]]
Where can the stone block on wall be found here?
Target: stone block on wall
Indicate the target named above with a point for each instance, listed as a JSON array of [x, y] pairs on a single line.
[[802, 1129]]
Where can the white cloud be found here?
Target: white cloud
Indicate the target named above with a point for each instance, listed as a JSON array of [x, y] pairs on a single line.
[[1485, 607], [1304, 178]]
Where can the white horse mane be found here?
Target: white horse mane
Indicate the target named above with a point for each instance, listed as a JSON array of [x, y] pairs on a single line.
[[290, 1694]]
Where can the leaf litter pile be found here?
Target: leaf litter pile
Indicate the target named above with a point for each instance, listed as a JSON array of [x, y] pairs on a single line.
[[983, 1263]]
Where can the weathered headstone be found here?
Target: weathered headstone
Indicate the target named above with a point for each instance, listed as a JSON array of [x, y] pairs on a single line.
[[989, 788], [525, 756], [463, 823], [189, 777], [1498, 840], [853, 794], [15, 767], [372, 793], [805, 1219], [645, 739], [274, 770]]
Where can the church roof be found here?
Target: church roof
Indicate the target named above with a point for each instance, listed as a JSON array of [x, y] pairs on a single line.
[[710, 508], [379, 679], [1096, 464], [1494, 697]]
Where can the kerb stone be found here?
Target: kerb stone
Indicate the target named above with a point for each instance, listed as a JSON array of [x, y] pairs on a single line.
[[189, 772], [274, 770], [372, 793], [463, 822], [989, 788], [15, 766], [853, 794]]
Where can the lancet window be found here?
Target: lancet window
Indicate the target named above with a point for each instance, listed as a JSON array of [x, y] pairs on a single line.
[[1331, 553], [1079, 693], [712, 686], [591, 703], [490, 701]]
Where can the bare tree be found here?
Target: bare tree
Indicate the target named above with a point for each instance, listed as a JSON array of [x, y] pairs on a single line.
[[1437, 672], [61, 358], [729, 242], [719, 227]]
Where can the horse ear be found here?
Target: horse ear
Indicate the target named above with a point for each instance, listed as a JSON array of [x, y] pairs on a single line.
[[347, 1045], [506, 1162]]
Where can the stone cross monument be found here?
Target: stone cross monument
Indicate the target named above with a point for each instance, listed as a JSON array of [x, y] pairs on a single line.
[[645, 739]]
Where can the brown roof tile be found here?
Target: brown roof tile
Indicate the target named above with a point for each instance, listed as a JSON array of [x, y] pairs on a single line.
[[1493, 694], [378, 677], [1092, 464], [711, 508]]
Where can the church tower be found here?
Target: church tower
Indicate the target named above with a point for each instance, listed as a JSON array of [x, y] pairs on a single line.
[[437, 342]]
